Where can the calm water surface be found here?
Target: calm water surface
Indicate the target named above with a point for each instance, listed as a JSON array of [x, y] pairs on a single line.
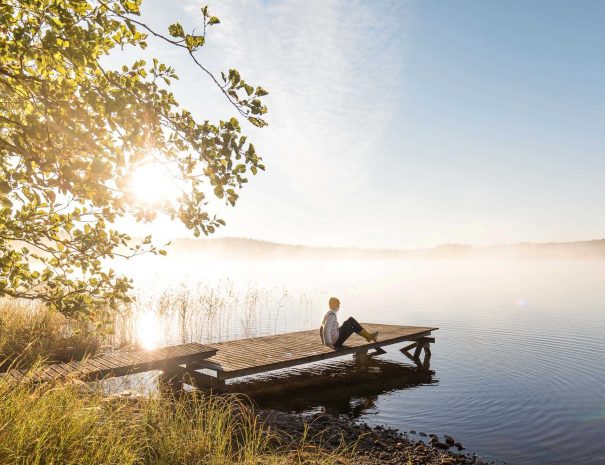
[[519, 359]]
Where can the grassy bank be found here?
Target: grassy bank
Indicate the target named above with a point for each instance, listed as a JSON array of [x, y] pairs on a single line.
[[67, 424], [30, 332]]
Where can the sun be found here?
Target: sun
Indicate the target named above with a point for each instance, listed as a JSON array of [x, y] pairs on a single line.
[[148, 328], [152, 183]]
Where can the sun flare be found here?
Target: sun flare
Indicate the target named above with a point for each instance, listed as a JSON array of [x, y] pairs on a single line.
[[148, 330], [153, 183]]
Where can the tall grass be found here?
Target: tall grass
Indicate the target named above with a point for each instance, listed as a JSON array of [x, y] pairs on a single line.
[[66, 424], [194, 312], [200, 312], [30, 331], [70, 423]]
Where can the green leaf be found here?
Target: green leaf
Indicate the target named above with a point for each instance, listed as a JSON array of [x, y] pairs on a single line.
[[132, 7], [213, 20], [194, 42], [176, 30], [234, 76], [259, 123]]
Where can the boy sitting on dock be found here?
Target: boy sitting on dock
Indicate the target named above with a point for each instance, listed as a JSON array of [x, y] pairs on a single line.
[[333, 335]]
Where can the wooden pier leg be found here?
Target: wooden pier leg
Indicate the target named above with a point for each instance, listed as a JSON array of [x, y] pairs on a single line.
[[418, 351], [361, 358], [204, 381], [405, 351], [426, 364], [419, 345]]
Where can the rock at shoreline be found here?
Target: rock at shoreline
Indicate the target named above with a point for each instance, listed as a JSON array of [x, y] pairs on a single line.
[[373, 446]]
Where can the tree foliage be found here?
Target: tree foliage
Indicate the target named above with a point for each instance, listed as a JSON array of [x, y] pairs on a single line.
[[73, 132]]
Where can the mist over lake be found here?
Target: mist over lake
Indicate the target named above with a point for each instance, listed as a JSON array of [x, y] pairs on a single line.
[[519, 358]]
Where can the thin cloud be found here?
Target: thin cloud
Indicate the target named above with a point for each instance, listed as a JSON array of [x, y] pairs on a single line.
[[333, 69]]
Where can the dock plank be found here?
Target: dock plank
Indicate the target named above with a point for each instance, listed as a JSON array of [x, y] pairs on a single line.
[[118, 364], [245, 357]]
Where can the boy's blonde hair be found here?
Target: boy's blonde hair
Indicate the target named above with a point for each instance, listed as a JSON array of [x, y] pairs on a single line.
[[334, 303]]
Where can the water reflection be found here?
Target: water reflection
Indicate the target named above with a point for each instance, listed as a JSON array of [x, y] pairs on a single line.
[[348, 387], [148, 330]]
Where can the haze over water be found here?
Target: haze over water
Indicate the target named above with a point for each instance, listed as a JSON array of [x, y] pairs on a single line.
[[519, 358]]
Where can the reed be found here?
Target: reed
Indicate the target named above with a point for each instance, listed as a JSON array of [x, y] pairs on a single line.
[[29, 331], [208, 313]]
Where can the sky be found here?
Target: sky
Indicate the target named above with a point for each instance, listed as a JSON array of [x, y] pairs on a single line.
[[408, 124]]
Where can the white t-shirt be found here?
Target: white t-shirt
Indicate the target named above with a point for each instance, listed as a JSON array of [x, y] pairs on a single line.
[[329, 328]]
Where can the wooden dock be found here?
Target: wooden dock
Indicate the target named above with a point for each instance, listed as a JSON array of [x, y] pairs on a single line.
[[211, 365], [117, 364], [238, 358]]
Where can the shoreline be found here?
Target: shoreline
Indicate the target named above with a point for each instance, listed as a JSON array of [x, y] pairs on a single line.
[[369, 445]]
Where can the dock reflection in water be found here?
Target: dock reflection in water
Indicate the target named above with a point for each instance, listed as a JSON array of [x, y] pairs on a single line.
[[349, 387]]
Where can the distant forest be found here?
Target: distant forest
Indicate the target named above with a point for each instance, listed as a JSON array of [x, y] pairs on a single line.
[[252, 248]]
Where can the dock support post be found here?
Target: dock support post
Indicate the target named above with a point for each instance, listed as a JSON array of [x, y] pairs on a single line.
[[361, 358], [421, 344], [202, 380]]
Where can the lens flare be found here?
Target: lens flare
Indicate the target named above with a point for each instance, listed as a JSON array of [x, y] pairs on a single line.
[[148, 330], [153, 183]]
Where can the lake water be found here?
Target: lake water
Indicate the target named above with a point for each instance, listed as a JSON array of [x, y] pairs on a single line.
[[519, 358]]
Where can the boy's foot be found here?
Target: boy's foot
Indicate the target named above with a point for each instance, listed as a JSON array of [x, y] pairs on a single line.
[[370, 337]]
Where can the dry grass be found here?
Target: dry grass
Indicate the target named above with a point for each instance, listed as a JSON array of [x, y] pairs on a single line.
[[30, 332], [215, 312], [67, 424]]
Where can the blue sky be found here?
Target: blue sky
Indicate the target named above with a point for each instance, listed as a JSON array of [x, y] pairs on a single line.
[[410, 124]]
